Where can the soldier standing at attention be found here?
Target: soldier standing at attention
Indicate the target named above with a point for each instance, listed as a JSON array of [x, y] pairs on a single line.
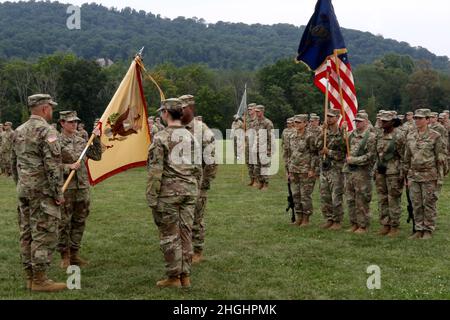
[[76, 207], [301, 169], [7, 145], [332, 158], [172, 190], [206, 142], [358, 174], [285, 136], [1, 139], [264, 130], [425, 167], [389, 176], [250, 141], [36, 159], [158, 124], [237, 128]]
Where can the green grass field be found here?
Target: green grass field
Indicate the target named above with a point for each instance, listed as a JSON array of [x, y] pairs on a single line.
[[251, 250]]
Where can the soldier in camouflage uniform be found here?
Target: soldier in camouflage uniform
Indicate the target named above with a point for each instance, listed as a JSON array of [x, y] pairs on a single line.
[[389, 176], [436, 126], [301, 169], [82, 133], [264, 129], [358, 174], [425, 166], [285, 136], [2, 170], [158, 124], [152, 127], [250, 141], [236, 127], [76, 207], [409, 122], [332, 157], [7, 145], [172, 191], [206, 140], [36, 164]]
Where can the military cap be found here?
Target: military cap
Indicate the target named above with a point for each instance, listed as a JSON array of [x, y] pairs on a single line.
[[422, 113], [171, 104], [362, 116], [38, 99], [362, 111], [381, 111], [151, 118], [334, 113], [314, 117], [200, 118], [301, 117], [7, 123], [446, 111], [290, 120], [186, 100], [401, 116], [394, 112], [442, 115], [434, 115], [410, 113], [387, 116], [1, 124], [251, 106], [260, 107], [68, 116]]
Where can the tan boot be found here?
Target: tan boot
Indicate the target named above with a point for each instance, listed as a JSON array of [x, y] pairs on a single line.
[[353, 228], [197, 257], [75, 259], [185, 281], [361, 230], [327, 224], [41, 283], [251, 183], [171, 282], [256, 185], [305, 221], [65, 260], [427, 235], [264, 186], [384, 231], [394, 232], [298, 220], [416, 235], [29, 277], [336, 226]]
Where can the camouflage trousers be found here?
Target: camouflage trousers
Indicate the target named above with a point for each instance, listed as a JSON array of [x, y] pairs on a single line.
[[358, 192], [260, 170], [389, 190], [174, 218], [73, 219], [6, 167], [198, 228], [331, 194], [302, 189], [38, 224], [424, 198]]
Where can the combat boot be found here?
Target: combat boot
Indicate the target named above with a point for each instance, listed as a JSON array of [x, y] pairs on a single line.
[[65, 259], [171, 282], [361, 230], [427, 235], [327, 224], [251, 183], [298, 220], [384, 231], [416, 235], [305, 221], [197, 257], [75, 259], [264, 186], [393, 232], [29, 277], [256, 185], [41, 283], [353, 228], [185, 281], [336, 226]]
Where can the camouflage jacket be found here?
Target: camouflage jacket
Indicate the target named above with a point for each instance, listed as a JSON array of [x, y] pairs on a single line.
[[205, 137], [303, 153], [168, 177], [285, 136], [397, 138], [71, 149], [36, 159], [425, 157], [83, 133], [337, 149], [264, 141], [442, 131], [362, 156], [7, 143]]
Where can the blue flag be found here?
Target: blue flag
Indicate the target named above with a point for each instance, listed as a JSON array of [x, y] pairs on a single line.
[[322, 37]]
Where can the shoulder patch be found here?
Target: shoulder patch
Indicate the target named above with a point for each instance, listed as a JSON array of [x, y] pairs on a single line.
[[52, 138]]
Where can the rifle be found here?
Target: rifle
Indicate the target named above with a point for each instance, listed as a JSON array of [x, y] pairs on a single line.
[[410, 211], [290, 200]]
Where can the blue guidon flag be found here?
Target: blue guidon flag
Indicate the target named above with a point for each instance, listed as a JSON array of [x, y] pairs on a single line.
[[320, 41]]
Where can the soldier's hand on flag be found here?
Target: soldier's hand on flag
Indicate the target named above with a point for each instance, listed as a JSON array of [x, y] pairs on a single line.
[[60, 201], [96, 131], [74, 166], [324, 151], [349, 159], [344, 125], [311, 174]]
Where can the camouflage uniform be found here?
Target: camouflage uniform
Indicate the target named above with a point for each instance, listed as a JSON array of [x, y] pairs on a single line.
[[331, 176], [266, 144], [83, 134], [250, 141], [2, 170], [302, 160], [6, 148], [285, 136], [36, 160], [236, 127], [358, 175], [205, 137], [390, 152], [425, 166], [76, 206], [172, 191]]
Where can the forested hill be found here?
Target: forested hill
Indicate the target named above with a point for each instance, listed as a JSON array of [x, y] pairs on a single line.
[[32, 29]]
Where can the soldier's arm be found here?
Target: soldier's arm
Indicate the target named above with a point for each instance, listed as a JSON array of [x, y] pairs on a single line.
[[51, 151], [209, 164], [369, 156], [94, 152], [15, 174], [339, 155], [315, 159], [441, 159], [155, 171], [406, 160]]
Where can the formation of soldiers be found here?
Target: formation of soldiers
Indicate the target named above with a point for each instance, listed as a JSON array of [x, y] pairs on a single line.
[[6, 143], [413, 154]]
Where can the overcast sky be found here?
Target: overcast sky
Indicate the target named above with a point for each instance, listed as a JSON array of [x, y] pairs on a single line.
[[423, 23]]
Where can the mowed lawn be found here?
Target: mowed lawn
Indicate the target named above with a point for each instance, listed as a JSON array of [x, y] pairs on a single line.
[[252, 251]]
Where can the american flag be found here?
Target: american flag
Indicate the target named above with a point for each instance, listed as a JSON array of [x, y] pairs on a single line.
[[347, 84]]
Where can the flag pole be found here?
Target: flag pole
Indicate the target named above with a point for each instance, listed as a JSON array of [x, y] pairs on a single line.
[[149, 77], [338, 71], [326, 110]]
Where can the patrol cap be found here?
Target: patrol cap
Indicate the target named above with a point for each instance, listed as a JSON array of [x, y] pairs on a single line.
[[314, 117], [39, 99], [387, 116], [260, 108], [434, 115], [251, 106], [410, 113], [151, 118], [171, 104], [422, 113], [446, 111], [334, 113], [442, 115], [381, 111], [200, 118], [362, 116], [401, 116], [187, 100], [301, 117], [68, 116], [290, 120]]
